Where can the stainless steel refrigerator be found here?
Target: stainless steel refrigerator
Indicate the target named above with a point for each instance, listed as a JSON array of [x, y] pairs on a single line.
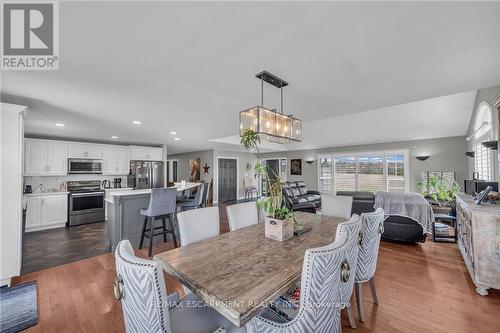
[[146, 174]]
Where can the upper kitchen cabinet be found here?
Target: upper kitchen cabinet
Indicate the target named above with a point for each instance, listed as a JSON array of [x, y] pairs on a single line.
[[116, 160], [146, 153], [85, 150], [45, 158]]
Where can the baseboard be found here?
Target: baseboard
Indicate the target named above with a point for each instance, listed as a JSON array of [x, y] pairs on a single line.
[[46, 227], [5, 282]]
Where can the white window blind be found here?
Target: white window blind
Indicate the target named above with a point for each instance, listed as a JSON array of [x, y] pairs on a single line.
[[373, 172], [482, 161]]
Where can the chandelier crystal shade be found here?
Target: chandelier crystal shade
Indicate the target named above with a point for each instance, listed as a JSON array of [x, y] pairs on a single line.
[[271, 125]]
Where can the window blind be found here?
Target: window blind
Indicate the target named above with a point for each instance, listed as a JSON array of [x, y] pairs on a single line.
[[345, 173]]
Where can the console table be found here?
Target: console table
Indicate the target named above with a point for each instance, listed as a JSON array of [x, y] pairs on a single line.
[[478, 229]]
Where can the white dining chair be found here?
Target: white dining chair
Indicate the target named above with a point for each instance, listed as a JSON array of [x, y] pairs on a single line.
[[336, 205], [242, 215], [372, 228], [353, 226], [197, 225], [140, 287], [325, 272]]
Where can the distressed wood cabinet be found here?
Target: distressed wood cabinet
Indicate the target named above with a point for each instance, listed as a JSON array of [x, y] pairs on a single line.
[[478, 229]]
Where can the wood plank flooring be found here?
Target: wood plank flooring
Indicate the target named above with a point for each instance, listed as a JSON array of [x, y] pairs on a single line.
[[421, 288]]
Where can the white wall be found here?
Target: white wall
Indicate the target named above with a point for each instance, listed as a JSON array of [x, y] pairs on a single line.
[[205, 156], [11, 168], [446, 154]]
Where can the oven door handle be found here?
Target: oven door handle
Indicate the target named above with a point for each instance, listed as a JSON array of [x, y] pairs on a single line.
[[90, 194]]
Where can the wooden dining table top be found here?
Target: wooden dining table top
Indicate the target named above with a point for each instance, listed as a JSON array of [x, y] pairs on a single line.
[[238, 272]]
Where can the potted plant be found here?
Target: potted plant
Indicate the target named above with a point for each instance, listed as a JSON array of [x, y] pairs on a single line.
[[440, 192], [278, 218]]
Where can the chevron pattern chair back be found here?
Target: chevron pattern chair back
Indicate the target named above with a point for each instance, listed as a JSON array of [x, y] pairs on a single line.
[[353, 227], [321, 285], [142, 290], [371, 231]]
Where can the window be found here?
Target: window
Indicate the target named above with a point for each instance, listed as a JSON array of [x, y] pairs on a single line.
[[483, 159], [373, 172]]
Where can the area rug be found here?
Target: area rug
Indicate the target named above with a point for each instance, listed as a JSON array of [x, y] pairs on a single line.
[[18, 308]]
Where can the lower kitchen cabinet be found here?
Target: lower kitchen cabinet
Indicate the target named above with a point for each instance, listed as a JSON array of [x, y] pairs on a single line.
[[46, 211]]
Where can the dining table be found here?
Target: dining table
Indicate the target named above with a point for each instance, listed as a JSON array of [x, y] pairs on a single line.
[[239, 272]]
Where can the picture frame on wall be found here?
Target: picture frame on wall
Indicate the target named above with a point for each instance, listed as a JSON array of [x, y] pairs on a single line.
[[296, 167], [194, 170]]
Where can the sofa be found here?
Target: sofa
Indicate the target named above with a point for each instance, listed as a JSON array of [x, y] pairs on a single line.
[[299, 198], [396, 228]]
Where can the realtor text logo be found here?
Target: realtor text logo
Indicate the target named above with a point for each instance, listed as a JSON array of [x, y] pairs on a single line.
[[30, 36]]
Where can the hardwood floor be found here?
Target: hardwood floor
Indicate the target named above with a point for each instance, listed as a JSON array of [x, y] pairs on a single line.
[[421, 288]]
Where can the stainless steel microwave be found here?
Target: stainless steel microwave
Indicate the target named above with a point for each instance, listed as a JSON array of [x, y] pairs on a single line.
[[79, 166]]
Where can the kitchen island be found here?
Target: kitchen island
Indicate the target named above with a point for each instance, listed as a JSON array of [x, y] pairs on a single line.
[[124, 220]]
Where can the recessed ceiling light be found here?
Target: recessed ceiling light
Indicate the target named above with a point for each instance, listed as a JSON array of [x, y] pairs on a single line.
[[60, 124], [114, 137], [173, 133], [136, 122], [177, 139]]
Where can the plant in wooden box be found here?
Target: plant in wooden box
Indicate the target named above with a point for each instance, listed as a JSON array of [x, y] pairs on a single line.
[[440, 192], [278, 218]]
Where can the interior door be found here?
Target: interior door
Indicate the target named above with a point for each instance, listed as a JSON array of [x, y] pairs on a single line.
[[227, 182]]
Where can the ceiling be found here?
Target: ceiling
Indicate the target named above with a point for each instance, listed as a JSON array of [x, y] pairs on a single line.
[[189, 67]]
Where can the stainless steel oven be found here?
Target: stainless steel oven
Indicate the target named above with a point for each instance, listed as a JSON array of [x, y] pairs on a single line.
[[86, 202], [79, 166]]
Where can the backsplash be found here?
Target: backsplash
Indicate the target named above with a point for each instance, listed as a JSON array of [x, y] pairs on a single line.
[[59, 182]]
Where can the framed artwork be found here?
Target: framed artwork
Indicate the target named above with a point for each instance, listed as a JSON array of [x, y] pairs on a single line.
[[194, 170], [296, 167]]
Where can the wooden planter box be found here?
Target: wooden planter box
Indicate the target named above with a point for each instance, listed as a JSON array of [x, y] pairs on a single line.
[[279, 230]]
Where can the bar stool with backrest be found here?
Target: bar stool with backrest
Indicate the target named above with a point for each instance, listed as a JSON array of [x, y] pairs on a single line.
[[196, 202], [162, 205], [371, 230]]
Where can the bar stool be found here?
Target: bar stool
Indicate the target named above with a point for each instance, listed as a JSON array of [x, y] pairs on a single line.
[[162, 205]]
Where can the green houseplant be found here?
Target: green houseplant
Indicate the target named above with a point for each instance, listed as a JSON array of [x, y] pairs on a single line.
[[439, 190], [279, 218]]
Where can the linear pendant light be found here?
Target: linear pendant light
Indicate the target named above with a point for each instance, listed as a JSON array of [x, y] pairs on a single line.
[[271, 125]]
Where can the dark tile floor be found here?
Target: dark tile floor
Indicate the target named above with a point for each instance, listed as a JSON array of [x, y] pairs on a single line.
[[48, 248]]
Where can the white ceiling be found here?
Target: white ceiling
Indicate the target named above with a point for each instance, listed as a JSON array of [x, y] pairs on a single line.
[[190, 67]]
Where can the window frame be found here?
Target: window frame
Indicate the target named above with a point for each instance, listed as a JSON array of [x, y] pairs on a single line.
[[357, 154]]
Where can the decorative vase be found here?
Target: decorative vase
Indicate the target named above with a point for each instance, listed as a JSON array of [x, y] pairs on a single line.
[[277, 229]]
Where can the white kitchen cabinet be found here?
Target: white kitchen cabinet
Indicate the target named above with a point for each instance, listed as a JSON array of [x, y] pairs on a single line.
[[85, 150], [46, 210], [146, 153], [33, 211], [54, 209], [45, 158], [116, 160]]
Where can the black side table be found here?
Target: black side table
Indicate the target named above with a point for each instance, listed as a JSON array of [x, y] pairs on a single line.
[[439, 218]]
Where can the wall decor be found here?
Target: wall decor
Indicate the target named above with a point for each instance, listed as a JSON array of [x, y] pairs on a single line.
[[205, 168], [194, 170], [296, 167]]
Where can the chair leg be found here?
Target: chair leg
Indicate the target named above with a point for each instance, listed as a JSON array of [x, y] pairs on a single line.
[[352, 321], [164, 229], [150, 249], [144, 226], [172, 228], [374, 292], [359, 301]]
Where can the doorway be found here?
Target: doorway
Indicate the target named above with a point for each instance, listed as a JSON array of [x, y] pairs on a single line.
[[227, 178], [276, 167]]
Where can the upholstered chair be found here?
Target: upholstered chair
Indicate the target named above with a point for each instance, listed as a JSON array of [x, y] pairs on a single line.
[[140, 287], [372, 228], [325, 272], [197, 225], [336, 205], [353, 226], [242, 215], [196, 202]]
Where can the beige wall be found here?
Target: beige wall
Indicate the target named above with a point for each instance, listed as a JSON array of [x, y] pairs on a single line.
[[446, 154]]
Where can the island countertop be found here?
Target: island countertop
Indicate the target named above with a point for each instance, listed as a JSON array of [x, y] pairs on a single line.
[[112, 194]]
